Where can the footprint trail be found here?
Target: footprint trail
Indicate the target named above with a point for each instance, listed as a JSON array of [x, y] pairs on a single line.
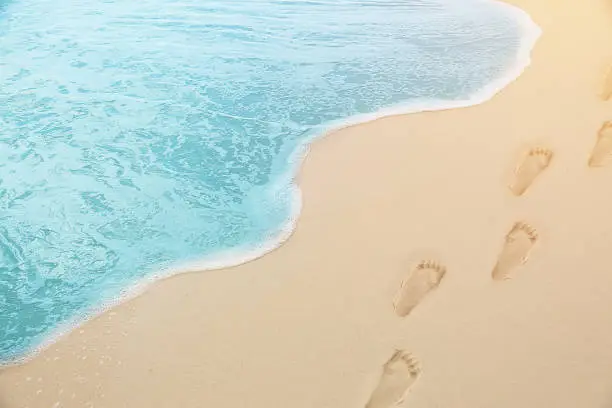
[[536, 161], [518, 244], [601, 153], [423, 278], [399, 373]]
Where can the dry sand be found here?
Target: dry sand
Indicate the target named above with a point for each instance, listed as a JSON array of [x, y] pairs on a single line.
[[313, 323]]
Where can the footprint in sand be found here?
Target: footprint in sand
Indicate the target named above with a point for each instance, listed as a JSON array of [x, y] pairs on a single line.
[[603, 147], [536, 161], [424, 277], [606, 91], [515, 251], [399, 373]]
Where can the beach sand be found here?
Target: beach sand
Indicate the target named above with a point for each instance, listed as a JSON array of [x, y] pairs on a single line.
[[414, 273]]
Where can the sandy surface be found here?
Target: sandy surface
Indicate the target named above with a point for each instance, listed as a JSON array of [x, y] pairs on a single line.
[[313, 323]]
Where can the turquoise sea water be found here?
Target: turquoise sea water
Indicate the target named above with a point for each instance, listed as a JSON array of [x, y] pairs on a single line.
[[140, 137]]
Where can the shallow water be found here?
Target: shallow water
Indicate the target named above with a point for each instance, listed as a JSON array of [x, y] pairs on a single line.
[[142, 135]]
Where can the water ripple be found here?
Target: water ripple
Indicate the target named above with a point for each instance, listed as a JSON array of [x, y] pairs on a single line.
[[137, 135]]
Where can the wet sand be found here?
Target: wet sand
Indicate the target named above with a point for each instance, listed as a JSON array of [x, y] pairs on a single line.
[[459, 258]]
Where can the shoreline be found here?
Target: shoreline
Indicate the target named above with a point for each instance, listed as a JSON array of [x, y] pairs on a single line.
[[531, 32], [312, 322]]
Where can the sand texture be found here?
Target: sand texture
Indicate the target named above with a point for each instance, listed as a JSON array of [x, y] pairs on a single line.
[[339, 316]]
